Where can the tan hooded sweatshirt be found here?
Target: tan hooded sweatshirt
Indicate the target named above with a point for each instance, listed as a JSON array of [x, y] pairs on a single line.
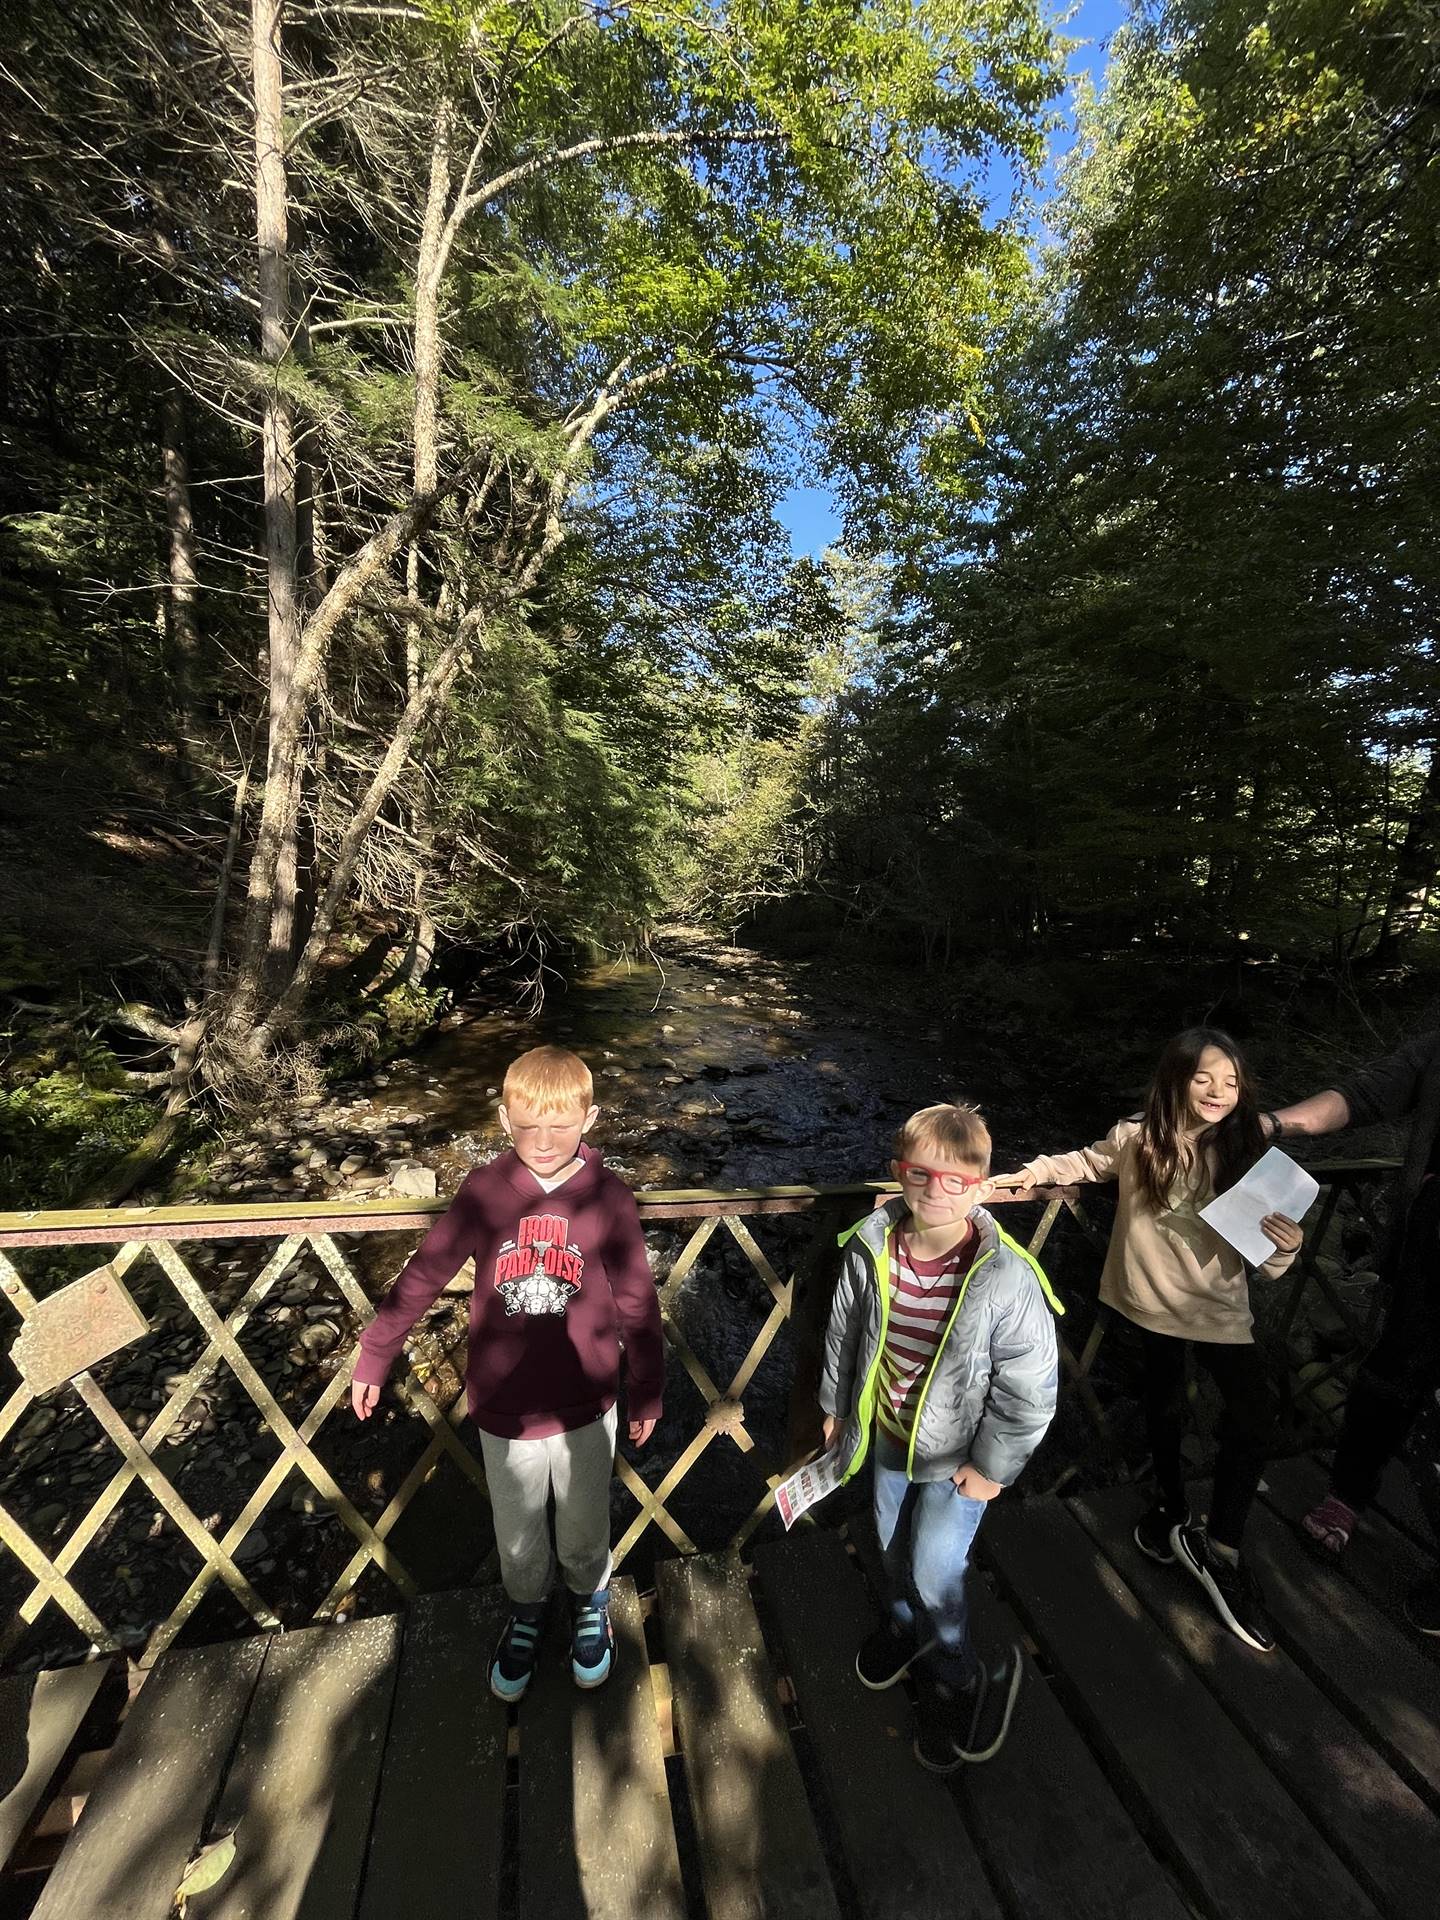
[[1168, 1272]]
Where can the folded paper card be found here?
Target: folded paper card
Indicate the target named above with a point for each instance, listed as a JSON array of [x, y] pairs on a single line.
[[808, 1486], [1275, 1184]]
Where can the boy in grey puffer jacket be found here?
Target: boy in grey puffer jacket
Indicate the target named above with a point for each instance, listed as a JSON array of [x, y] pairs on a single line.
[[941, 1350]]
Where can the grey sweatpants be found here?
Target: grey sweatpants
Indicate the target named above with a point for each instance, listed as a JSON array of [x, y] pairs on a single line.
[[521, 1475]]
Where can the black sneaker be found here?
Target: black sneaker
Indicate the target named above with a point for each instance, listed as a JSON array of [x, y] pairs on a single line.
[[515, 1652], [885, 1657], [969, 1727], [1234, 1591], [1422, 1605], [1152, 1534], [592, 1638], [940, 1713]]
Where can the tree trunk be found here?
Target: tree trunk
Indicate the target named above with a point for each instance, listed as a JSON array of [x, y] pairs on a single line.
[[270, 929], [430, 271], [1416, 866], [426, 698], [182, 613]]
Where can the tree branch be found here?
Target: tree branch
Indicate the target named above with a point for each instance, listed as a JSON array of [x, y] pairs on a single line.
[[608, 143]]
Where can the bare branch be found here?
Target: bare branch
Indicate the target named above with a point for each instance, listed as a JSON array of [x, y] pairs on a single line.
[[674, 139]]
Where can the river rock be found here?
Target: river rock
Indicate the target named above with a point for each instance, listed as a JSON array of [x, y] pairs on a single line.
[[353, 1163], [700, 1109], [414, 1183], [253, 1547], [48, 1517]]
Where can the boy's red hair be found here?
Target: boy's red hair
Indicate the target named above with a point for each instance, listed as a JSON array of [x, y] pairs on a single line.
[[548, 1079]]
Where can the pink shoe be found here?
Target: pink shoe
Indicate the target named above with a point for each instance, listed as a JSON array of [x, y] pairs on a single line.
[[1331, 1524]]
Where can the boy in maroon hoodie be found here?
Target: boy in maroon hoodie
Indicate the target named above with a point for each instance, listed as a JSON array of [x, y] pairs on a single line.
[[561, 1278]]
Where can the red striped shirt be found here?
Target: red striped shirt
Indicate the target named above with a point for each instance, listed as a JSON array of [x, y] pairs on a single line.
[[922, 1297]]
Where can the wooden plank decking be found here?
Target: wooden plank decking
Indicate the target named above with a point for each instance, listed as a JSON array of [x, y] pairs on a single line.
[[1155, 1767]]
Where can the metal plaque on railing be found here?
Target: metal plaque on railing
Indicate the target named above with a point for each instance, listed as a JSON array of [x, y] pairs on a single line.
[[71, 1329]]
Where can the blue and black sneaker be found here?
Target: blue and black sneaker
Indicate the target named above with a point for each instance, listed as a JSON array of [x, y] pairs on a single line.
[[592, 1638], [515, 1652]]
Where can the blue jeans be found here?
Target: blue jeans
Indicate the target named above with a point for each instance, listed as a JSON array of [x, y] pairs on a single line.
[[926, 1529]]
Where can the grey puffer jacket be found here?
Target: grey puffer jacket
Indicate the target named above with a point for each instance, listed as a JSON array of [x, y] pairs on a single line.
[[991, 1390]]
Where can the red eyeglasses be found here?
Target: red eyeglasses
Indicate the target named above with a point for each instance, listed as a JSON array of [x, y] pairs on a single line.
[[912, 1174]]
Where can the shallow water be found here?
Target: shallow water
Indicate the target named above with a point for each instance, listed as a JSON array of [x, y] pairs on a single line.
[[713, 1069]]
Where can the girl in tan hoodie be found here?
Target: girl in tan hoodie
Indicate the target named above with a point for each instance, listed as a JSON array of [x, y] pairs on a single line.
[[1174, 1277]]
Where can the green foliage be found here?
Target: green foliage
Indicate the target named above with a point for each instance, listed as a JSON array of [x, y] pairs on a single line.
[[720, 246], [69, 1123], [1162, 658]]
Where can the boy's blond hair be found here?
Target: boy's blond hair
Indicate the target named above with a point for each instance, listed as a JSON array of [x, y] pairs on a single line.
[[548, 1079], [954, 1128]]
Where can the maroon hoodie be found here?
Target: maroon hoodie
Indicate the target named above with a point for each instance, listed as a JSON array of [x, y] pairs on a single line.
[[560, 1279]]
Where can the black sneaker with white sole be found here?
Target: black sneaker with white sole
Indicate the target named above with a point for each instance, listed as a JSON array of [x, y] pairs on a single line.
[[1152, 1534], [970, 1726], [1234, 1591], [885, 1657]]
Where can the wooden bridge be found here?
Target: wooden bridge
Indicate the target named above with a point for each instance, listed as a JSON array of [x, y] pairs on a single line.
[[733, 1767]]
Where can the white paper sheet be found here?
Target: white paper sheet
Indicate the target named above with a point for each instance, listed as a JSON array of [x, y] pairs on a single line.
[[1275, 1184], [808, 1485]]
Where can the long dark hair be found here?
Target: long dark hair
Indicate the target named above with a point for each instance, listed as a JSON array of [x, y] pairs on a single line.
[[1237, 1141]]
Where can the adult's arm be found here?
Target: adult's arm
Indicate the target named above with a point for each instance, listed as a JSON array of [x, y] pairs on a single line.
[[1384, 1089], [1324, 1112]]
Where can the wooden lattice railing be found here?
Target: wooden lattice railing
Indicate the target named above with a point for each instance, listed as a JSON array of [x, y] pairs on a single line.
[[143, 1235]]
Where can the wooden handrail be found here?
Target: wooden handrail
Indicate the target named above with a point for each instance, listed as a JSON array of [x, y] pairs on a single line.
[[150, 1234], [211, 1220]]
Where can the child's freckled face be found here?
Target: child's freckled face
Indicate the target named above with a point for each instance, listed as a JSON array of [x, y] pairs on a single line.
[[546, 1143], [926, 1195], [1214, 1088]]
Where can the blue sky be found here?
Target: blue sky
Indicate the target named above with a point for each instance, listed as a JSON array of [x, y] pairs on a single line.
[[809, 512]]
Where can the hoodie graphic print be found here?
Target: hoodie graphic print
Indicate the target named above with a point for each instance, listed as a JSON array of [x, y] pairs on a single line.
[[541, 1269]]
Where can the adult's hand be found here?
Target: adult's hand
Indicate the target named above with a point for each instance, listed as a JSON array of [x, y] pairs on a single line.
[[640, 1431], [830, 1429], [363, 1399]]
